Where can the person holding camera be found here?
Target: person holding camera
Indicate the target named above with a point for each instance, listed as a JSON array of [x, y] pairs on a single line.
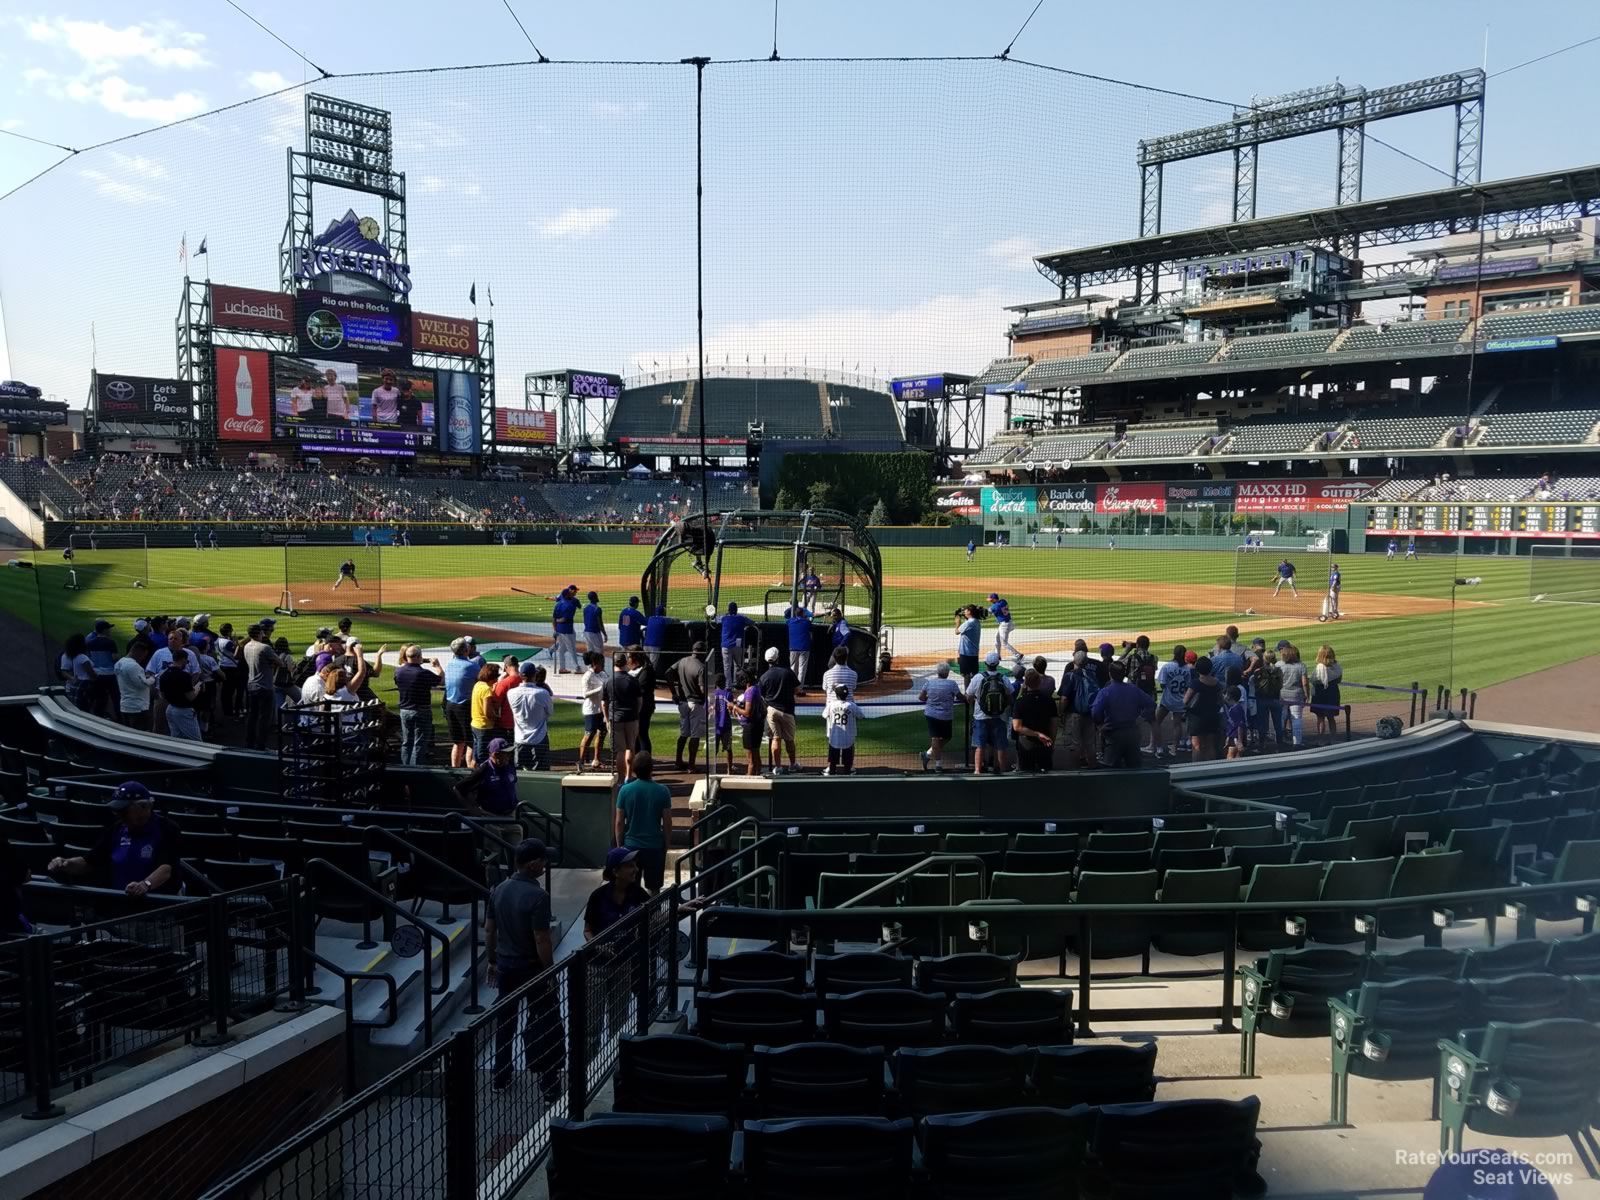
[[967, 635]]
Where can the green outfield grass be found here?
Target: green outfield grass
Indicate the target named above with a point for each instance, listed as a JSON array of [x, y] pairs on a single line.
[[1497, 633]]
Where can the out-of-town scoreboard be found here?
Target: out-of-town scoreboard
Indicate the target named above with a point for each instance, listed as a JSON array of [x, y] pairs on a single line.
[[1485, 520]]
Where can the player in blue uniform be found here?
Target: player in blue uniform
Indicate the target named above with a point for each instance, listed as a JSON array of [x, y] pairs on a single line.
[[1411, 547], [630, 625], [1330, 606], [594, 626], [1286, 575], [347, 570], [809, 587], [565, 649], [1394, 548], [972, 548], [1001, 611]]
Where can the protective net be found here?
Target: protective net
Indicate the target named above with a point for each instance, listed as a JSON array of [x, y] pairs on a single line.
[[110, 560], [1564, 574], [331, 579]]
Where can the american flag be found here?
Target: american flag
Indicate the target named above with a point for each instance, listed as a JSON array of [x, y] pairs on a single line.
[[183, 249]]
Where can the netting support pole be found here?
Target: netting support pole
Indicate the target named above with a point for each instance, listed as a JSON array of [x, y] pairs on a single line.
[[460, 1117]]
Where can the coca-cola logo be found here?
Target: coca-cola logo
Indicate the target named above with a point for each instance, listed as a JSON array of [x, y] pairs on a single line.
[[253, 425]]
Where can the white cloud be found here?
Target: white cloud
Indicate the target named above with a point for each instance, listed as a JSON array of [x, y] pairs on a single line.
[[614, 108], [266, 81], [429, 184], [1015, 252], [957, 332], [117, 95], [137, 164], [37, 75], [103, 49], [121, 190], [577, 222], [11, 123]]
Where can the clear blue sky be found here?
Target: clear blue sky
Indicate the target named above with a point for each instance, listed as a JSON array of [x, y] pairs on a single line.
[[871, 214]]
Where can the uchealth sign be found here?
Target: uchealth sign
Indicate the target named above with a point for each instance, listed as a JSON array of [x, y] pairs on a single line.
[[1009, 501], [1131, 498], [524, 427], [444, 335], [250, 308], [244, 395], [1298, 496], [1077, 498]]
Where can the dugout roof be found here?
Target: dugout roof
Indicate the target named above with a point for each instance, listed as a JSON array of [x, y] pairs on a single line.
[[1388, 221]]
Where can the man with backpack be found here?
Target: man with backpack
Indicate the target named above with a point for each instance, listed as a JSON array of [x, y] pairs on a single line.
[[1079, 687], [990, 694], [1139, 668]]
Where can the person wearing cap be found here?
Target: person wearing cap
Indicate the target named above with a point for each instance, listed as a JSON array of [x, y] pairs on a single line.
[[492, 785], [517, 942], [734, 626], [968, 633], [414, 685], [1033, 724], [797, 622], [261, 666], [594, 625], [839, 673], [180, 694], [532, 704], [938, 699], [1172, 683], [136, 854], [639, 667], [618, 896], [643, 821], [621, 705], [460, 677], [839, 716], [102, 652], [1224, 660], [688, 680], [1269, 700], [838, 628], [630, 625], [591, 691], [990, 695], [655, 634], [1004, 626], [1118, 709], [134, 685], [472, 650], [777, 686], [810, 586], [565, 649], [510, 677]]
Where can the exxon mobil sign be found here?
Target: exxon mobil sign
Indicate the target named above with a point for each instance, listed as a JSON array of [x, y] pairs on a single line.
[[1009, 501]]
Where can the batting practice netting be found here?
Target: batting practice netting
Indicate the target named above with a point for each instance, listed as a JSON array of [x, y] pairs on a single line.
[[1283, 579], [110, 560], [331, 578], [1564, 574]]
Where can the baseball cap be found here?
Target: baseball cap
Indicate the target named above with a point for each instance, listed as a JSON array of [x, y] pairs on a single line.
[[992, 658], [183, 622], [772, 654], [1107, 648], [994, 595], [1262, 642], [633, 600], [102, 623], [527, 668], [528, 849], [594, 597], [497, 744], [141, 625], [1282, 642], [202, 618], [323, 660], [131, 792], [1190, 656], [618, 855], [469, 639], [268, 622], [572, 587], [324, 633], [840, 692]]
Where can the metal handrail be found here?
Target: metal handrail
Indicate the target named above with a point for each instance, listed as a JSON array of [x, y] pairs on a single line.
[[428, 932], [350, 979], [380, 832], [689, 855], [949, 860]]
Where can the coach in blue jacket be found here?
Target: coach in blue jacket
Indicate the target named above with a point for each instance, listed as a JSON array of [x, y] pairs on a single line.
[[799, 623]]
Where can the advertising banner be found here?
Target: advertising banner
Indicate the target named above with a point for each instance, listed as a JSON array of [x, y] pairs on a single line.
[[524, 427], [444, 335], [15, 389], [646, 537], [139, 399], [1492, 266], [1131, 497], [249, 308], [1075, 497], [1201, 493], [927, 387], [1009, 501], [962, 501], [244, 394], [1297, 496], [458, 431], [334, 326]]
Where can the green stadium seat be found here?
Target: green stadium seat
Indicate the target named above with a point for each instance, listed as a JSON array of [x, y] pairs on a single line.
[[838, 843], [1286, 994], [907, 843], [1419, 875], [1282, 887], [1360, 879], [1433, 962], [1391, 1031], [1373, 836], [1116, 937], [1194, 936]]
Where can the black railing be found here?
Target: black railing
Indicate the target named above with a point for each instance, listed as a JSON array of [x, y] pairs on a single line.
[[469, 1117], [85, 998]]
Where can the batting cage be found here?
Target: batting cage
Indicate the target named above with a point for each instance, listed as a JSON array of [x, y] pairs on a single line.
[[1283, 580], [1564, 574], [109, 560], [330, 578]]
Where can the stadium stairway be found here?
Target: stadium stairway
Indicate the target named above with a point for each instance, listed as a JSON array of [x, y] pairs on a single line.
[[687, 410], [823, 409]]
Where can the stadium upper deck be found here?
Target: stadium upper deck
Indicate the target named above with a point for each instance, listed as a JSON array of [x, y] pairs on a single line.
[[1460, 323]]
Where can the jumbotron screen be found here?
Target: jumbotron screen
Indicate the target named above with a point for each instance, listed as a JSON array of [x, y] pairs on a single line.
[[343, 406]]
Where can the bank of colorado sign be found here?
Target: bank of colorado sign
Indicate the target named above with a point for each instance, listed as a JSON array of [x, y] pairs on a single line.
[[1299, 496], [1131, 498], [1078, 498]]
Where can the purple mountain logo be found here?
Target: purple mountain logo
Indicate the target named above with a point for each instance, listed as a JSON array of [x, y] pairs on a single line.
[[345, 234]]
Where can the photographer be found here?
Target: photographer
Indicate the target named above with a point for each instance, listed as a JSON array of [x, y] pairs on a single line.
[[967, 635]]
